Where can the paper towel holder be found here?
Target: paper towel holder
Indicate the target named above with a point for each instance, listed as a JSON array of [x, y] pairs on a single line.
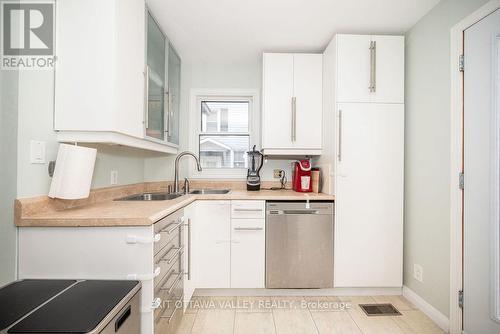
[[72, 172], [51, 168]]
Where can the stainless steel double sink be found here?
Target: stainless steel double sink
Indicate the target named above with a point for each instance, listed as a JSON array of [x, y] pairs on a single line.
[[167, 196]]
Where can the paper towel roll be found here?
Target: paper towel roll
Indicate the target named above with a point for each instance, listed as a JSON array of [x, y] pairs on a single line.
[[73, 173]]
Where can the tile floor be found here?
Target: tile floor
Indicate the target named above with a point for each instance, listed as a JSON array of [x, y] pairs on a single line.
[[301, 315]]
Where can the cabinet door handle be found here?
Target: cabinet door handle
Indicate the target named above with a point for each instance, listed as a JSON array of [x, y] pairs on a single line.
[[189, 249], [174, 284], [169, 229], [373, 66], [339, 155], [174, 256], [146, 99], [294, 118], [166, 112]]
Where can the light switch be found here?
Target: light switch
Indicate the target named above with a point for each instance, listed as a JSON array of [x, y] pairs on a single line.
[[37, 152]]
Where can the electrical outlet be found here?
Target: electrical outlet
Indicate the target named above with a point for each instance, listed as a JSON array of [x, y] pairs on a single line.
[[418, 272], [277, 173], [114, 177]]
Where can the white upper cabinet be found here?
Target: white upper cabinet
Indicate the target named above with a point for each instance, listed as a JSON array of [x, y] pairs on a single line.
[[307, 91], [292, 103], [100, 73], [277, 101], [389, 66], [353, 68], [370, 68]]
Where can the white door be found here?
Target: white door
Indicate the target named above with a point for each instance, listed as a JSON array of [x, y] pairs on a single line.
[[481, 167], [353, 66], [308, 92], [248, 245], [211, 244], [369, 196], [277, 88], [389, 69]]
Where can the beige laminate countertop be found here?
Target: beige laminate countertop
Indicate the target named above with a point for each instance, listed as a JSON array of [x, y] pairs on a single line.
[[145, 213]]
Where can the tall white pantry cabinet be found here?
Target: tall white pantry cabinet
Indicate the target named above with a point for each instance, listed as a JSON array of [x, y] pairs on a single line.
[[363, 95]]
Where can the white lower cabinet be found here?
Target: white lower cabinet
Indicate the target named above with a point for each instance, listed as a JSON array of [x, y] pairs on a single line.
[[150, 254], [228, 242], [200, 246], [211, 246], [248, 242]]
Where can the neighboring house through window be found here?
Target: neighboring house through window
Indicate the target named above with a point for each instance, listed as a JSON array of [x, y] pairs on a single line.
[[224, 136]]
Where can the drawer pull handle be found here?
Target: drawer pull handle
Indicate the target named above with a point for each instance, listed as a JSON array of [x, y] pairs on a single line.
[[171, 316], [169, 230], [248, 210], [172, 258], [248, 228], [174, 284]]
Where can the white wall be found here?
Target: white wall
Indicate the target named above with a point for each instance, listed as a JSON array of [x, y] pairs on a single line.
[[8, 171], [210, 76], [427, 161]]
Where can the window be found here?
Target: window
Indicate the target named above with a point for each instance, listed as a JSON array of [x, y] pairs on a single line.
[[224, 137]]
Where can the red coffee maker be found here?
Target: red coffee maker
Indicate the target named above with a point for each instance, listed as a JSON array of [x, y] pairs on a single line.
[[301, 179]]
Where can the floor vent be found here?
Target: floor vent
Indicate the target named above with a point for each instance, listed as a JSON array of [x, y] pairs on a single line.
[[379, 309]]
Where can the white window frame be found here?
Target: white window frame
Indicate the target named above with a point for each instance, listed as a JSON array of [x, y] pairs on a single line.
[[198, 95]]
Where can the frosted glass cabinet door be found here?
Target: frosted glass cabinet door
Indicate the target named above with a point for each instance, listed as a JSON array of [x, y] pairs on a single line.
[[155, 76], [174, 92]]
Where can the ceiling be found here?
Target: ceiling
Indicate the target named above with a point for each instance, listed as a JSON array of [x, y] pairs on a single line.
[[237, 31]]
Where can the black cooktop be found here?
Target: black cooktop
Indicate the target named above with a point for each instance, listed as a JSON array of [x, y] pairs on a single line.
[[78, 310], [19, 298]]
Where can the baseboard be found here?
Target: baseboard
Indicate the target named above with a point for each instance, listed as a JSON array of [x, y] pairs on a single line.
[[440, 319], [300, 292]]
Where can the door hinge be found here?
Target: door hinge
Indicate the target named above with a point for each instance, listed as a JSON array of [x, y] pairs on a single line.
[[461, 63], [461, 180], [461, 299]]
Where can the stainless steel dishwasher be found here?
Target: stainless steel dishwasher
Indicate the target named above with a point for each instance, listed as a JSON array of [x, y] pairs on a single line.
[[299, 245]]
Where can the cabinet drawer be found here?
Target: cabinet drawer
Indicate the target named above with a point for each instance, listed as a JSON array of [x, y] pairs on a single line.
[[168, 228], [248, 209], [169, 321], [168, 294], [168, 259]]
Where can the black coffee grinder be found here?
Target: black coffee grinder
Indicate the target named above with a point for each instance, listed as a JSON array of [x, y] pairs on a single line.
[[255, 161]]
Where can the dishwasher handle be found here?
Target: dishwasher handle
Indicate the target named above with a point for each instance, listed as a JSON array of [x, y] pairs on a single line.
[[293, 212]]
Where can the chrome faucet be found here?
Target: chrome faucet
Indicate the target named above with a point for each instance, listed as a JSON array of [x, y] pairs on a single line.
[[176, 173]]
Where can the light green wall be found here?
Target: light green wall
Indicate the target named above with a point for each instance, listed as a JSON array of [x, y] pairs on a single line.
[[427, 162], [36, 110], [8, 171]]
